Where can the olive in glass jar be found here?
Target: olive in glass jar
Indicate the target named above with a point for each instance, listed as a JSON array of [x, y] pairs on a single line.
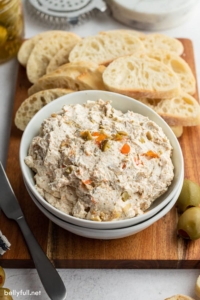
[[11, 28]]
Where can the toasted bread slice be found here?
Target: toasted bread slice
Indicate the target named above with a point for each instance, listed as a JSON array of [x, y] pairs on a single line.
[[44, 50], [75, 76], [60, 58], [34, 103], [197, 287], [136, 33], [141, 77], [160, 41], [28, 45], [104, 48], [177, 64], [178, 130], [179, 297], [182, 110]]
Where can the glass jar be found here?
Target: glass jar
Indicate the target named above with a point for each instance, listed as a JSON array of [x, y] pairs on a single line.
[[11, 28]]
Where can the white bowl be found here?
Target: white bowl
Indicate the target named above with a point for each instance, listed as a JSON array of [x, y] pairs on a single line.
[[124, 104], [106, 234]]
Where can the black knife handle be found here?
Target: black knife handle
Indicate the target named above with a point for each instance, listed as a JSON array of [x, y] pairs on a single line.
[[50, 278]]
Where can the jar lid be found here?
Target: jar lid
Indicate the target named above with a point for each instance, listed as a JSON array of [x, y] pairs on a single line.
[[152, 14]]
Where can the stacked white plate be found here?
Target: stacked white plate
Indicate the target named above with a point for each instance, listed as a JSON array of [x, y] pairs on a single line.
[[152, 14], [106, 234], [94, 229]]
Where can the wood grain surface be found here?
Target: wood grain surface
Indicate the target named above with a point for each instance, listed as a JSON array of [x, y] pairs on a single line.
[[156, 247]]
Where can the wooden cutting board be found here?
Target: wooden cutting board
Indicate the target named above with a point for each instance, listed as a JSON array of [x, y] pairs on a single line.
[[156, 247]]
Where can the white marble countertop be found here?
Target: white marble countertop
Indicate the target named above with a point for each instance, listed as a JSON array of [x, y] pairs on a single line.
[[96, 284]]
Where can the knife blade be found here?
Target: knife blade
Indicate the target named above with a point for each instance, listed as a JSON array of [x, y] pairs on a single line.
[[49, 276], [8, 201]]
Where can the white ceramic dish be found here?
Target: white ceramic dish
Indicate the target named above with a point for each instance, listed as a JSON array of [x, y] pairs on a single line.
[[106, 234], [152, 15], [124, 104]]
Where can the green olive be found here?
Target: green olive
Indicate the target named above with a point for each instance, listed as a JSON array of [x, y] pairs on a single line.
[[11, 29], [104, 145], [5, 294], [189, 196], [68, 170], [189, 224], [122, 133], [119, 135], [2, 276], [86, 135], [125, 196]]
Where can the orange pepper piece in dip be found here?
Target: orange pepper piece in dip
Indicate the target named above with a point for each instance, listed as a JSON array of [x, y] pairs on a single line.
[[151, 154], [99, 137], [95, 133], [87, 181], [125, 149]]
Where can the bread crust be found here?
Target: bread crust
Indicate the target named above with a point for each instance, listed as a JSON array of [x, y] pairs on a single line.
[[44, 50], [76, 76], [104, 48], [141, 77], [177, 64], [182, 110], [179, 297], [154, 41], [34, 103], [28, 45]]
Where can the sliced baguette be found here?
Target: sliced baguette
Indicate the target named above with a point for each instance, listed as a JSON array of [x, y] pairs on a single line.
[[34, 103], [182, 110], [178, 130], [197, 287], [136, 33], [177, 64], [28, 45], [60, 58], [141, 77], [160, 41], [44, 50], [75, 76], [104, 48], [179, 297]]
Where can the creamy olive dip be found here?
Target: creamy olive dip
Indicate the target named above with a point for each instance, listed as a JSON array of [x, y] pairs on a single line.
[[95, 162]]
